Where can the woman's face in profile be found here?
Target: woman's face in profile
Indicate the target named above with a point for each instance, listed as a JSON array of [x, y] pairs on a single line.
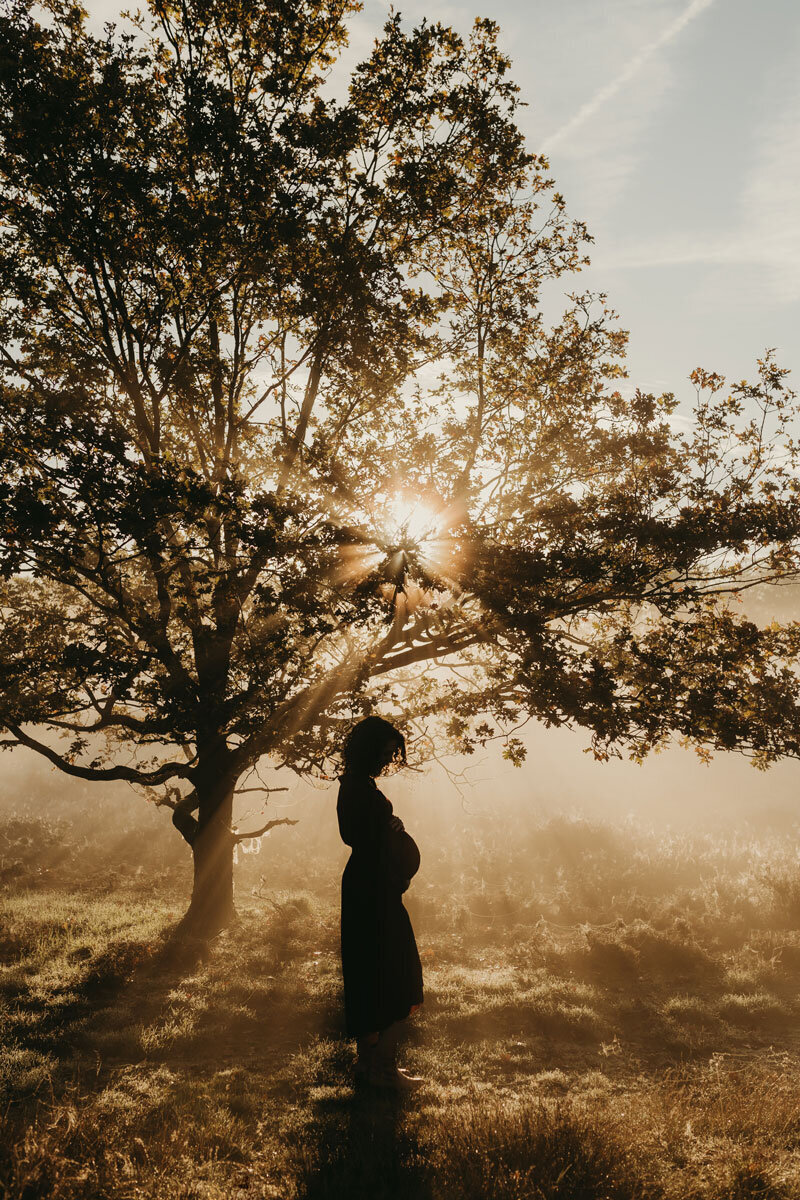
[[390, 757]]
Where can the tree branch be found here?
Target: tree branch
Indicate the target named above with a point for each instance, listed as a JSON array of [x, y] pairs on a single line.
[[244, 837], [102, 774]]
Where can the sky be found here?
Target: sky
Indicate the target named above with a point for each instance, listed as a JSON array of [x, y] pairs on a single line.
[[673, 131]]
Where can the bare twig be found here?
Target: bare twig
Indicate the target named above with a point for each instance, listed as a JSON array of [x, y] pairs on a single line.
[[244, 837]]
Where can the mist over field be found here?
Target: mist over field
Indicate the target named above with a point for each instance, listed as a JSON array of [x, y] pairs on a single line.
[[560, 777]]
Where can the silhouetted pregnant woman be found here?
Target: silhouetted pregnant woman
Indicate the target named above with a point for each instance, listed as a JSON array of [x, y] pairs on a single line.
[[380, 963]]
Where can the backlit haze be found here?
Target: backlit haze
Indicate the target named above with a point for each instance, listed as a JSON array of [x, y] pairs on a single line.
[[673, 131]]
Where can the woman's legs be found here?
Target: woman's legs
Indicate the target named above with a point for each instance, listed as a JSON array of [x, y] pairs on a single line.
[[365, 1049]]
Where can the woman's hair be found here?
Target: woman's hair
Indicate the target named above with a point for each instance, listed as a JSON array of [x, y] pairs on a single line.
[[364, 749]]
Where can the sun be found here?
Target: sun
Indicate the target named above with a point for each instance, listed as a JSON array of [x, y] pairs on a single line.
[[410, 519], [422, 529], [408, 536]]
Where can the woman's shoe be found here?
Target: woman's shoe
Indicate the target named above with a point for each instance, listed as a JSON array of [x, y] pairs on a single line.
[[383, 1071], [415, 1079], [390, 1079]]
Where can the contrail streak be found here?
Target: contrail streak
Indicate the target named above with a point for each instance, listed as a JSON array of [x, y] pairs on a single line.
[[636, 63]]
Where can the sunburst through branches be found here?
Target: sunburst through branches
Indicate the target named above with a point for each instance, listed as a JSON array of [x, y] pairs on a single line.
[[422, 536], [415, 543]]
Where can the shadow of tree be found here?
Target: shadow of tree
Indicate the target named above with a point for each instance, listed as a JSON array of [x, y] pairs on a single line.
[[254, 996], [63, 1019]]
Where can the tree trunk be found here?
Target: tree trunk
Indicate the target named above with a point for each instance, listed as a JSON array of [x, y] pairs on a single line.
[[212, 907]]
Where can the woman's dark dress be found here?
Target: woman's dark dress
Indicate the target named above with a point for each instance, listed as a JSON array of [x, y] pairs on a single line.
[[380, 963]]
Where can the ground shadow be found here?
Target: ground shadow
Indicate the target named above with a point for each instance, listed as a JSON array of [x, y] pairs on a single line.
[[361, 1150], [62, 1022]]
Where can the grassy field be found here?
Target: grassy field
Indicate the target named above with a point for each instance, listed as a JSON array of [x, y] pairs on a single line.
[[609, 1014]]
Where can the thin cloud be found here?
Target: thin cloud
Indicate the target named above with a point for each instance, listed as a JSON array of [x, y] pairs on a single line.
[[770, 200], [634, 66], [766, 236]]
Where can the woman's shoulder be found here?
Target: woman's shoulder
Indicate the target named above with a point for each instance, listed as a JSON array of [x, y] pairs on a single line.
[[361, 789]]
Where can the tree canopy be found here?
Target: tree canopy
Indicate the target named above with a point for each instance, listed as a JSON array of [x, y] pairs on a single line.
[[286, 437]]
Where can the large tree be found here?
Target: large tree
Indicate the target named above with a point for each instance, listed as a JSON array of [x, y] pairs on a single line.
[[286, 437]]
